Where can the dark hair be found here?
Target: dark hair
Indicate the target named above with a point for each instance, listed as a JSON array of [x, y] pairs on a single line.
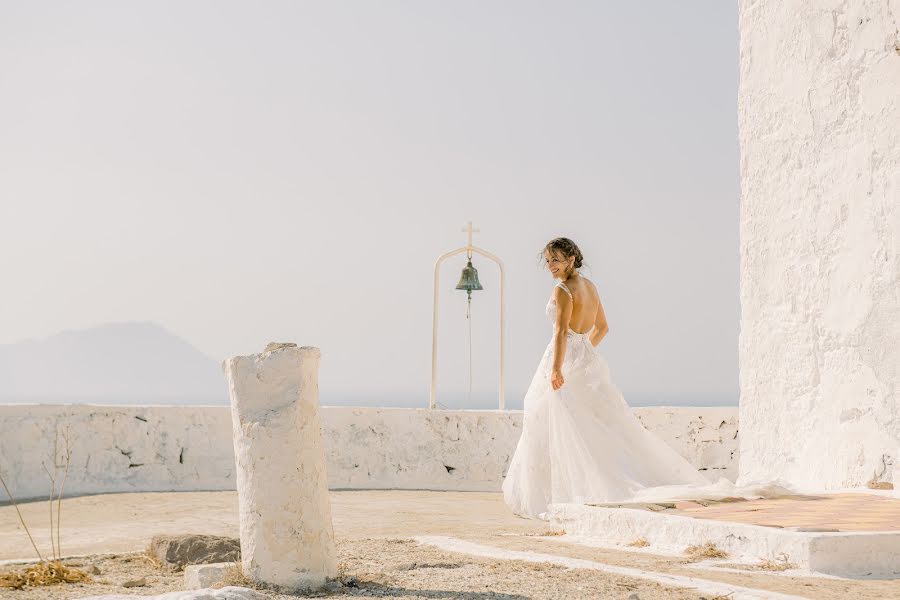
[[567, 247]]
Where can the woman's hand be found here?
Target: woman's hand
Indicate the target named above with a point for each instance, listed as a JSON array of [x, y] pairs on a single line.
[[556, 379]]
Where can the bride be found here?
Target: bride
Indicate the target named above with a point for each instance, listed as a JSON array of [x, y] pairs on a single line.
[[580, 442]]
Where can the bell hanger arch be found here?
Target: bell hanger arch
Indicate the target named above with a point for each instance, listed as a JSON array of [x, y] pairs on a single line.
[[468, 281]]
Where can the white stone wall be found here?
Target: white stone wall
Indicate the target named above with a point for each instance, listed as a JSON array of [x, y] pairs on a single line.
[[706, 437], [819, 119], [159, 448]]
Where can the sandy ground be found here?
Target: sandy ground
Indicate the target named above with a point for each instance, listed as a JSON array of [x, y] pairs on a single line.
[[374, 530], [395, 568]]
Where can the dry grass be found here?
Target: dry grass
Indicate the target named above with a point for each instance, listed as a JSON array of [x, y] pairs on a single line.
[[43, 573], [779, 563], [880, 485], [148, 556], [546, 533], [707, 550], [234, 575], [343, 570], [639, 543], [349, 579]]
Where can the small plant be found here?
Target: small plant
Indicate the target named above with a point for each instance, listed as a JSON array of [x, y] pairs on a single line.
[[57, 553], [707, 550], [639, 543], [47, 572]]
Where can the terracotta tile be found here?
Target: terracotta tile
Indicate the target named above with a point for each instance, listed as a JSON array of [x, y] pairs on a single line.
[[849, 512]]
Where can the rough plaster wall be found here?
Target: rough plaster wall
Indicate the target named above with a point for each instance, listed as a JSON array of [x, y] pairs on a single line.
[[706, 437], [157, 448], [819, 120]]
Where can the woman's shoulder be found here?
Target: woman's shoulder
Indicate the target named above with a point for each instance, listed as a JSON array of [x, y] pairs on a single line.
[[561, 289]]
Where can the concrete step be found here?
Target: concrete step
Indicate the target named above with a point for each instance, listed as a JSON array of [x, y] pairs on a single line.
[[868, 555]]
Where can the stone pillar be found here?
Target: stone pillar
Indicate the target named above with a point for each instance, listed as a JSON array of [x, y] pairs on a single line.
[[287, 539], [819, 121]]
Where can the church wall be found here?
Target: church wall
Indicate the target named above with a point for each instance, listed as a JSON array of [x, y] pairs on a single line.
[[819, 348]]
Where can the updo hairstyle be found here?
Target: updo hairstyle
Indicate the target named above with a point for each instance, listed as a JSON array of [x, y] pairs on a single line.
[[567, 248]]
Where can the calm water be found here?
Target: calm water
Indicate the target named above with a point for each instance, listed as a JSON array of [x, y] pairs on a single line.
[[453, 400]]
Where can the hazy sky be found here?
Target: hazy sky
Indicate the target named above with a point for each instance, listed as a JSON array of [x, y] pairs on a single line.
[[290, 171]]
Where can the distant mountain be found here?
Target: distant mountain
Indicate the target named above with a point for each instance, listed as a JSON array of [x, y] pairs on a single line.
[[127, 363]]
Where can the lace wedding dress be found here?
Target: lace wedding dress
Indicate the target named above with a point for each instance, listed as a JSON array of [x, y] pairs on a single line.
[[582, 444]]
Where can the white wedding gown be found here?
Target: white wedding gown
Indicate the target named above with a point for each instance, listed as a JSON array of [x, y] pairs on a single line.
[[582, 444]]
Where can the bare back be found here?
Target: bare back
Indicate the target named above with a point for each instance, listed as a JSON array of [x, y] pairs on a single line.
[[585, 302]]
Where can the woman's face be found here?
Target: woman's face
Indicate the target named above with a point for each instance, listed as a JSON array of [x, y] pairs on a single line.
[[557, 264]]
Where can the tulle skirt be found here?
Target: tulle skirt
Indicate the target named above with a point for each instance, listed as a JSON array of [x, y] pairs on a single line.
[[582, 444]]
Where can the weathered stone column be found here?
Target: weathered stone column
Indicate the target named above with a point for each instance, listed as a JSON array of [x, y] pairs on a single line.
[[287, 539]]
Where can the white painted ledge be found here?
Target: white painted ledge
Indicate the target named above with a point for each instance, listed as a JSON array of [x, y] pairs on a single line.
[[189, 448]]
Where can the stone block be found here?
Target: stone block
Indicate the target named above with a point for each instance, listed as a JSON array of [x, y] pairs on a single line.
[[178, 551], [287, 538], [203, 576]]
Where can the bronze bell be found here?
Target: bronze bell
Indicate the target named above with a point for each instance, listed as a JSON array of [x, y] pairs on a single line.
[[469, 279]]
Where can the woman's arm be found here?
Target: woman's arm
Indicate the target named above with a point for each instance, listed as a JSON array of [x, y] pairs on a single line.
[[560, 329], [601, 327]]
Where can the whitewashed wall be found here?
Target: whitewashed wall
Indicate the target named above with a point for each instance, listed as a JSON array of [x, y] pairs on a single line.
[[159, 448], [819, 118]]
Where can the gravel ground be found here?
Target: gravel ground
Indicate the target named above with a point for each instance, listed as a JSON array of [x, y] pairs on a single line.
[[393, 568], [817, 588], [363, 522]]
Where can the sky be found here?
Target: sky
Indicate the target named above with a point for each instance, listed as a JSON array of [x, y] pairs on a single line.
[[241, 173]]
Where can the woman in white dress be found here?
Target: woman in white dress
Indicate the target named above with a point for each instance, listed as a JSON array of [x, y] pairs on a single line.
[[580, 442]]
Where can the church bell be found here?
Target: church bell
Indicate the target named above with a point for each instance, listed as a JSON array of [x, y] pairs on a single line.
[[468, 280]]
